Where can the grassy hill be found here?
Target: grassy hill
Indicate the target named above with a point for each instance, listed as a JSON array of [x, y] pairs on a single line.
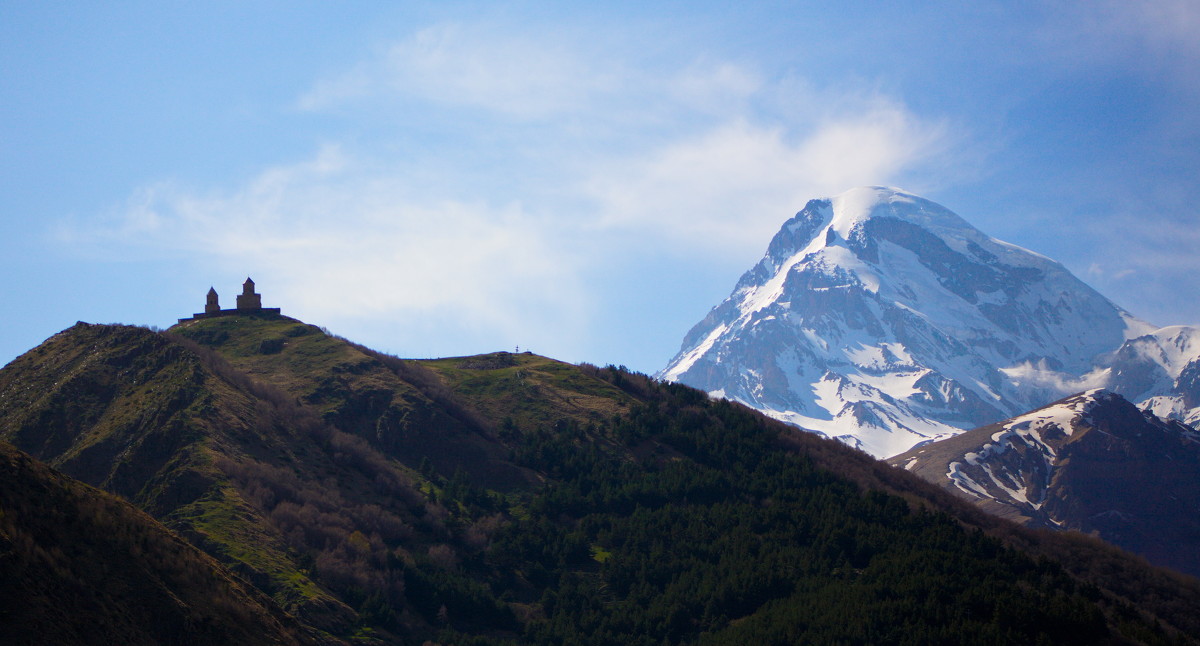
[[511, 498]]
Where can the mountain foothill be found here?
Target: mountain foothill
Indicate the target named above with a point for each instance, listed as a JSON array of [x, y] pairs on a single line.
[[250, 474]]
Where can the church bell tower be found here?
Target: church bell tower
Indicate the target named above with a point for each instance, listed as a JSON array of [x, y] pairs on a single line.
[[248, 300], [211, 306]]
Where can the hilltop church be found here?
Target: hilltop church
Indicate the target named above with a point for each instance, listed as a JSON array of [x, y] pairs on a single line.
[[248, 302]]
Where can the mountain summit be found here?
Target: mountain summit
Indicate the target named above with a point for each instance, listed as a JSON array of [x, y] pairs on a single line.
[[886, 320]]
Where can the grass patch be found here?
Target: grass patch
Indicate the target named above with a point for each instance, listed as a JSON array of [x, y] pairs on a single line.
[[531, 390], [232, 529]]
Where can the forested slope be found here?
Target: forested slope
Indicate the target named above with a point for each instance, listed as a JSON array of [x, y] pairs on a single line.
[[510, 498]]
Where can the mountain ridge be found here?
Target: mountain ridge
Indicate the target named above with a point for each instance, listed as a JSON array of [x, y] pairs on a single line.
[[886, 320], [1091, 463]]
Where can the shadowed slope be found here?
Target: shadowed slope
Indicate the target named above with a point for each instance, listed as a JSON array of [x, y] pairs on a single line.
[[79, 566]]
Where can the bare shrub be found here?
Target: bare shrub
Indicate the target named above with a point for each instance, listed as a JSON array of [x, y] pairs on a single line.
[[443, 556]]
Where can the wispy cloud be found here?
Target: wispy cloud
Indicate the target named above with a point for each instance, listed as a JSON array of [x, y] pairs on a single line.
[[710, 155], [1151, 39], [1165, 28], [492, 225], [468, 65], [1098, 271], [1148, 263]]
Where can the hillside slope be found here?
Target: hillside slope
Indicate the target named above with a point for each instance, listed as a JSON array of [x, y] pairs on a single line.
[[194, 442], [515, 499], [79, 566]]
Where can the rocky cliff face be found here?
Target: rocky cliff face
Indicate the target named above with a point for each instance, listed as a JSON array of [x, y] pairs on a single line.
[[885, 320], [1093, 463]]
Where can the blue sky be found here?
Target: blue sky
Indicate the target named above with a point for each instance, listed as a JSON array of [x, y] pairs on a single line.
[[582, 180]]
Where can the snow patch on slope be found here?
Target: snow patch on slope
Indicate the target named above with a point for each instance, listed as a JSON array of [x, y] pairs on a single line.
[[1030, 431], [685, 363]]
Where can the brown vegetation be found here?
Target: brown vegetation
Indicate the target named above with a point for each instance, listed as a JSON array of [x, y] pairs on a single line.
[[78, 566]]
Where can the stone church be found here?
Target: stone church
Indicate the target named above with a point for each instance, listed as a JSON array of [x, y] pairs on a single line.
[[248, 303]]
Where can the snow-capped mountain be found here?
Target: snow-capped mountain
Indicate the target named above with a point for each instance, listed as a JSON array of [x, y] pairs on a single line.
[[886, 320], [1093, 463], [1159, 370]]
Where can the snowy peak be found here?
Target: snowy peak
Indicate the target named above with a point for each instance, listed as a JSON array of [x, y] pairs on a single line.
[[1161, 370], [1170, 349], [836, 221], [920, 256], [886, 320], [859, 205]]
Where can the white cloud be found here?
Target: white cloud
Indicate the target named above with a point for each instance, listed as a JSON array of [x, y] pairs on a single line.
[[711, 154], [717, 87], [732, 186], [332, 239], [1147, 264], [1101, 272]]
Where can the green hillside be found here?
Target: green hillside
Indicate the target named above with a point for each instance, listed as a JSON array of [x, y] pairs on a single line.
[[511, 498]]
